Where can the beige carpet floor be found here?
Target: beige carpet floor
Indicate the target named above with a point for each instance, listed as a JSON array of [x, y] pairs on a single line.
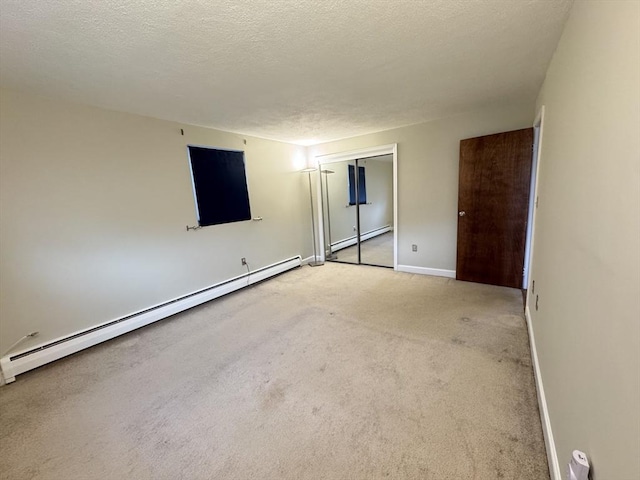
[[333, 372], [375, 251]]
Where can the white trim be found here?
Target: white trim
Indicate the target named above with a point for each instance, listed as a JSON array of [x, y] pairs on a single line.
[[531, 229], [391, 149], [552, 455], [356, 154], [532, 206], [61, 347], [437, 272], [193, 185], [395, 206], [305, 261], [320, 215], [347, 242]]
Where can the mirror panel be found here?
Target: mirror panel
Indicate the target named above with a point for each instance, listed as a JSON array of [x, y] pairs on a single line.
[[339, 217], [376, 216], [358, 192]]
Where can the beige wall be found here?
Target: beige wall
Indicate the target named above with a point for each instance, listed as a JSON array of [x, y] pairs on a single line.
[[93, 210], [586, 263], [428, 157]]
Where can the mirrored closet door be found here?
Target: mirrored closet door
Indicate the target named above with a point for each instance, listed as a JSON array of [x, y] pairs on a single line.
[[357, 204]]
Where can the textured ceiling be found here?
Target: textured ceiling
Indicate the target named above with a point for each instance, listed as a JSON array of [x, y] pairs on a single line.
[[294, 70]]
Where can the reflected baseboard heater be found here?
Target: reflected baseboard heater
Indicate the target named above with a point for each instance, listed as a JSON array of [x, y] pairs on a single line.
[[347, 242], [22, 361]]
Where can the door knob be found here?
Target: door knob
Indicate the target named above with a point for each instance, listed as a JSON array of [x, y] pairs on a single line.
[[462, 213]]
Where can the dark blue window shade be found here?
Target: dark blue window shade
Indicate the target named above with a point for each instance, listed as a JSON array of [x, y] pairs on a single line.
[[220, 186], [362, 186]]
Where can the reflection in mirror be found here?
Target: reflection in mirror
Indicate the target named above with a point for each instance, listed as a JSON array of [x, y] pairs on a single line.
[[359, 193], [376, 216], [339, 217]]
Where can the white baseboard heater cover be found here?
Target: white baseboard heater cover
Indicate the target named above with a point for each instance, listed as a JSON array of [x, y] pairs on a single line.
[[347, 242], [22, 361]]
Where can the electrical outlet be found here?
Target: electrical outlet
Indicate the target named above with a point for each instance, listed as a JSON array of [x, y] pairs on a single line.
[[533, 286], [414, 248], [243, 260], [536, 303]]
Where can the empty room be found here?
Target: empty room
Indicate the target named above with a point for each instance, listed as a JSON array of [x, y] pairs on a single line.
[[320, 240]]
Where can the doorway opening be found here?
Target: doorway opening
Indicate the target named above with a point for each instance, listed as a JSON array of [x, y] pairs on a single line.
[[358, 206]]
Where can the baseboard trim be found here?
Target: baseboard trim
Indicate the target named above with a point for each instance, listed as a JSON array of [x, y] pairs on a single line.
[[27, 359], [437, 272], [552, 455], [314, 261], [348, 242]]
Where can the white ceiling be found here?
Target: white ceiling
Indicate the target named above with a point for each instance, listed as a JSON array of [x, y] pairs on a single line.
[[294, 70]]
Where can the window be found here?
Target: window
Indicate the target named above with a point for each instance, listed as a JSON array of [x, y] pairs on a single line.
[[219, 186], [362, 186]]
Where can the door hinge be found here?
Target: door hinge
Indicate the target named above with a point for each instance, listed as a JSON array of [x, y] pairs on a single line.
[[537, 198]]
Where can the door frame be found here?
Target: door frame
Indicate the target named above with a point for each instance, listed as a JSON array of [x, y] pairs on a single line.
[[538, 129], [322, 160]]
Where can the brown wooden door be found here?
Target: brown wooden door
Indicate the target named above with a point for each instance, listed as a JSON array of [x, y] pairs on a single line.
[[493, 203]]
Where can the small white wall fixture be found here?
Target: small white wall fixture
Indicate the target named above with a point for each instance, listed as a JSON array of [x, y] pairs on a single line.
[[324, 160]]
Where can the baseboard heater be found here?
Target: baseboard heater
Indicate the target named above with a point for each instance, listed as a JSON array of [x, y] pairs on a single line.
[[22, 361], [347, 242]]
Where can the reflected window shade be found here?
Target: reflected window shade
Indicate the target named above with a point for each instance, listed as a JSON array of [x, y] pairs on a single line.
[[362, 186], [220, 186]]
